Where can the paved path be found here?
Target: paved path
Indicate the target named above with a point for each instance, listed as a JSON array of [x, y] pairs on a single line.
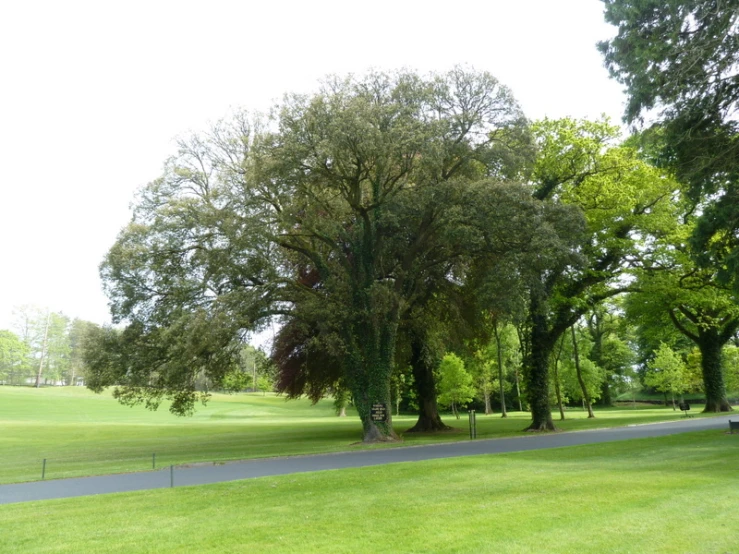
[[204, 474]]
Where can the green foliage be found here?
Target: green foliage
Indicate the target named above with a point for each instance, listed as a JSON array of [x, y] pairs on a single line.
[[339, 215], [678, 61], [592, 374], [455, 385], [674, 293], [53, 347], [667, 372], [236, 380], [623, 201], [731, 368], [13, 353]]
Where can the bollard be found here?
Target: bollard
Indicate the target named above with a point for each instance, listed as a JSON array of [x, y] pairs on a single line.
[[171, 476], [43, 470], [473, 425], [154, 460]]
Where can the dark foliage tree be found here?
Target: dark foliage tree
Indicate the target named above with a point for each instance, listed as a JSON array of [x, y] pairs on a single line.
[[679, 61], [365, 183]]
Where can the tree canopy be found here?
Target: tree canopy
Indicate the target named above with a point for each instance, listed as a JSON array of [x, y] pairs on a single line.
[[679, 61], [339, 211]]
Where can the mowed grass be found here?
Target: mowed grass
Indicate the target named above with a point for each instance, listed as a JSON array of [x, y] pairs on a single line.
[[676, 494], [80, 433]]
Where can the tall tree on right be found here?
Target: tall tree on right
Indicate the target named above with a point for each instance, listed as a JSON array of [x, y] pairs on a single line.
[[673, 290], [623, 200], [679, 61]]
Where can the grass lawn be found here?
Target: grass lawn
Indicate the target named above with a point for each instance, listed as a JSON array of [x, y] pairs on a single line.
[[676, 494], [80, 433]]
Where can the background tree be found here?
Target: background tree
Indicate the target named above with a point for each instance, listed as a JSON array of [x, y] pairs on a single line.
[[582, 378], [611, 351], [455, 386], [13, 353], [673, 290], [731, 357], [77, 336], [667, 373]]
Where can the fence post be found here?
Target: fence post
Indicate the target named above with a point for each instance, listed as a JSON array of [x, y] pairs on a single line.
[[473, 425], [43, 470], [171, 476]]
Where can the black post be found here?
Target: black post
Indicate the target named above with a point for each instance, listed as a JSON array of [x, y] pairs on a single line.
[[43, 470], [171, 476], [474, 424], [154, 460]]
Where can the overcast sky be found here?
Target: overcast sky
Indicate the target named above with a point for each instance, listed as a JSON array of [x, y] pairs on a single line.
[[92, 95]]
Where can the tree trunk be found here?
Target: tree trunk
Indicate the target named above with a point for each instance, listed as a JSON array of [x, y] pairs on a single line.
[[674, 408], [605, 392], [369, 362], [342, 411], [557, 387], [578, 370], [710, 346], [523, 343], [537, 378], [503, 411], [595, 327], [518, 391], [488, 406], [423, 363]]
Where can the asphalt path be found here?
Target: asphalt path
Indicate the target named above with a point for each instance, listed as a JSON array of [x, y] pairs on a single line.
[[202, 474]]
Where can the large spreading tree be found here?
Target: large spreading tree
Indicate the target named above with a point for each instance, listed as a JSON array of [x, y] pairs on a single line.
[[672, 291], [339, 210]]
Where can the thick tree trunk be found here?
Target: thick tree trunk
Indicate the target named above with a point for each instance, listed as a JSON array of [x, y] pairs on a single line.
[[585, 395], [488, 405], [710, 346], [605, 392], [423, 363], [369, 366], [537, 379]]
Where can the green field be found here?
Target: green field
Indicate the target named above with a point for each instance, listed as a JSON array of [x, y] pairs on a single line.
[[80, 433], [676, 494]]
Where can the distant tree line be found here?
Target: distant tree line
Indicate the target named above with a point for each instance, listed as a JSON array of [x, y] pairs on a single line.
[[43, 348]]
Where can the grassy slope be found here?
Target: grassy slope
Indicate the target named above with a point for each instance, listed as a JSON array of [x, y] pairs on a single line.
[[80, 433], [672, 494]]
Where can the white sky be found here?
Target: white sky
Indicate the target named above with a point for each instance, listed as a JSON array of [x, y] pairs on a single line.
[[92, 95]]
